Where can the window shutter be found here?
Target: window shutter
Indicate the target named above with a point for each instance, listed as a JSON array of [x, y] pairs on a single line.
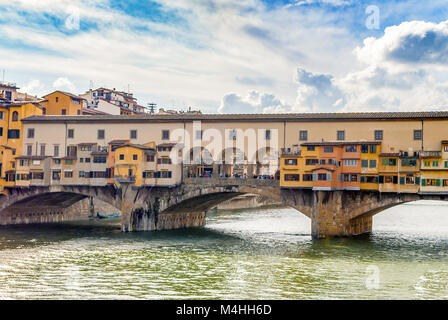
[[314, 176], [363, 179], [377, 179], [417, 180], [438, 182], [401, 180], [423, 182], [328, 176]]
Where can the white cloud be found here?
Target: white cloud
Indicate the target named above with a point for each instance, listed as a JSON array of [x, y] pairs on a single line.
[[253, 102], [64, 84]]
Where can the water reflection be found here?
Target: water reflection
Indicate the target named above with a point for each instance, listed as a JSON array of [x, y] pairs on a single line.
[[255, 254]]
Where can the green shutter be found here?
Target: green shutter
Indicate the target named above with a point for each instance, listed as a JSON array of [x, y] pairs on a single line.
[[363, 179], [401, 180], [377, 179], [417, 180], [385, 161], [438, 182], [394, 162], [423, 182]]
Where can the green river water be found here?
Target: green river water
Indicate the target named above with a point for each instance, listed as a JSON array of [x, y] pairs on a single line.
[[245, 254]]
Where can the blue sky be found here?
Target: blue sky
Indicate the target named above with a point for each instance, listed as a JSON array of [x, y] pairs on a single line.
[[234, 56]]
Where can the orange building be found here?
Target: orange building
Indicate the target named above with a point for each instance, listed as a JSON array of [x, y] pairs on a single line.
[[63, 103]]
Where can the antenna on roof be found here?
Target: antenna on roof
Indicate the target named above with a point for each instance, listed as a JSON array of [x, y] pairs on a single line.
[[91, 85], [152, 107]]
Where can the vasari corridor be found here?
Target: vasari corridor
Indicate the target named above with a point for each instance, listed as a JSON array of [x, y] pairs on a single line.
[[203, 151]]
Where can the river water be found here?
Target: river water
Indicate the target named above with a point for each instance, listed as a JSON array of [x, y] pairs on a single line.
[[246, 254]]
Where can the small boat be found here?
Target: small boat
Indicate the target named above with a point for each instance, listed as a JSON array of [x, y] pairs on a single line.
[[109, 216]]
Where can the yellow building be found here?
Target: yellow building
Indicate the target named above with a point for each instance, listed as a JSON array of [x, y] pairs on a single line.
[[62, 103], [434, 170], [369, 165], [11, 137], [146, 165]]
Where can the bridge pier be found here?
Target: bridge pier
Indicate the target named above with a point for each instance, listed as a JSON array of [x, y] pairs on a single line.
[[332, 216]]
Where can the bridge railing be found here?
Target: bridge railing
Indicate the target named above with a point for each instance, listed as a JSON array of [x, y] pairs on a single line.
[[232, 182]]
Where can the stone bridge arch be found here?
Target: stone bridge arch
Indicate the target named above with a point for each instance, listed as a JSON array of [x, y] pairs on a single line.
[[51, 204]]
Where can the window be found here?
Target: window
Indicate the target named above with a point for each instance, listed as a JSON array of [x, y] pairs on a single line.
[[56, 151], [121, 156], [29, 150], [133, 134], [64, 112], [372, 148], [372, 163], [445, 148], [164, 161], [408, 162], [351, 149], [303, 135], [99, 160], [101, 134], [79, 112], [76, 101], [165, 135], [37, 175], [389, 162], [87, 160], [446, 164], [199, 134], [378, 135], [69, 162], [30, 133], [328, 149], [232, 135], [268, 134], [427, 163], [13, 134], [324, 176], [340, 135], [149, 158], [322, 161], [291, 162], [134, 157], [15, 116], [2, 115], [331, 161], [42, 150], [311, 162], [44, 111], [71, 133], [435, 163], [364, 148], [68, 174], [163, 174], [307, 177], [57, 161], [81, 160], [292, 177], [311, 148], [1, 131], [148, 174], [417, 134], [350, 163], [56, 175], [364, 163], [409, 179], [82, 174], [57, 99]]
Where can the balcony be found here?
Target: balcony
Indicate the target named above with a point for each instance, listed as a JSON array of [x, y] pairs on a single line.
[[431, 154], [124, 179]]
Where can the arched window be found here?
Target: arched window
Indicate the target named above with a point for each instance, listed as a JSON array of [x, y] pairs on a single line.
[[15, 116]]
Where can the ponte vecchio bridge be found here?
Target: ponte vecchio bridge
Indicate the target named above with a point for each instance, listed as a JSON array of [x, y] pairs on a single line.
[[332, 213]]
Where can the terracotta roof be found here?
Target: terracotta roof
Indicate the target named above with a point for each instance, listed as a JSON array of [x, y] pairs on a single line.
[[99, 153], [138, 146], [361, 116], [71, 95], [323, 168], [390, 154], [92, 111], [118, 141], [32, 157], [339, 143]]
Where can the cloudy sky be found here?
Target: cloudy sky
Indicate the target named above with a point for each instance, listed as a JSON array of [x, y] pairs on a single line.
[[234, 56]]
